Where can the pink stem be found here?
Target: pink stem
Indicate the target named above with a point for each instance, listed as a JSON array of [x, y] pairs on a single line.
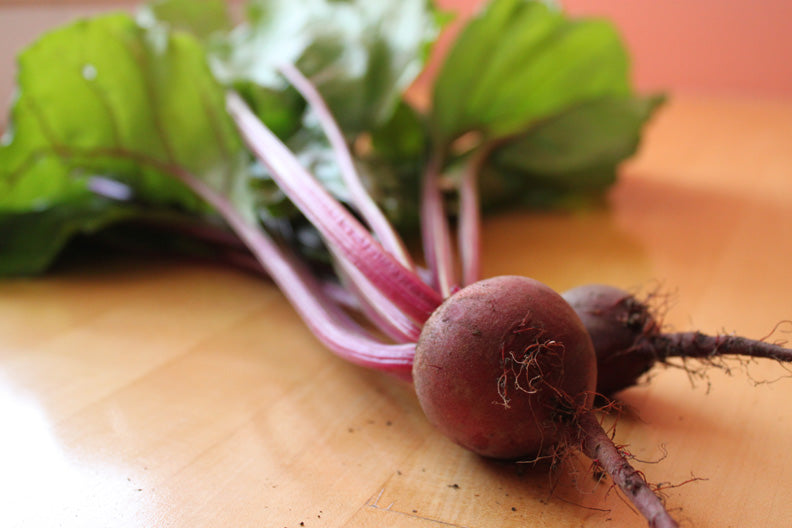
[[436, 232], [377, 308], [361, 199], [341, 296], [339, 228], [469, 231], [327, 321]]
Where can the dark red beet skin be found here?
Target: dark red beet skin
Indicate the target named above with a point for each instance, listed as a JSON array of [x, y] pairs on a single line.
[[628, 340], [502, 366], [617, 323]]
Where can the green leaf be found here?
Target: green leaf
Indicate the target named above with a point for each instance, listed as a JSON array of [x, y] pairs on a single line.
[[503, 188], [390, 160], [128, 103], [520, 61], [403, 136], [202, 18], [360, 54], [600, 132], [548, 95], [124, 102], [281, 110], [30, 241], [393, 165], [573, 153]]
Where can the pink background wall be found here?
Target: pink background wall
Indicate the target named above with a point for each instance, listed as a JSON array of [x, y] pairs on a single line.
[[719, 47]]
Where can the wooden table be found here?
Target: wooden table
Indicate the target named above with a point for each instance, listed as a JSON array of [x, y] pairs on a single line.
[[140, 393]]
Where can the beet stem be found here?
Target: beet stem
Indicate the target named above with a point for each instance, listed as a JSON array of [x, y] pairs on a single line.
[[597, 445], [361, 199], [328, 322], [469, 229], [342, 231], [377, 307], [698, 345], [313, 300], [435, 231]]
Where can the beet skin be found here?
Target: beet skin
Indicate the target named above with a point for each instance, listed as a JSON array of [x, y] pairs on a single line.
[[503, 365]]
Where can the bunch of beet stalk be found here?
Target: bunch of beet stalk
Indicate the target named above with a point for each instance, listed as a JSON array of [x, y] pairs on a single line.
[[505, 366]]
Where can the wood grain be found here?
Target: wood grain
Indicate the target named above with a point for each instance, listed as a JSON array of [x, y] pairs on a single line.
[[145, 392]]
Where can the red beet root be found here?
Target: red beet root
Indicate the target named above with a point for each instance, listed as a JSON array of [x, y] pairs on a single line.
[[502, 365], [628, 340]]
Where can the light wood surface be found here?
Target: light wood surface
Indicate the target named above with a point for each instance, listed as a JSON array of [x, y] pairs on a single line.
[[157, 393]]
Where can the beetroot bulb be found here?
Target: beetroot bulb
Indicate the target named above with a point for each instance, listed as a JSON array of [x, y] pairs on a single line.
[[502, 367], [629, 341]]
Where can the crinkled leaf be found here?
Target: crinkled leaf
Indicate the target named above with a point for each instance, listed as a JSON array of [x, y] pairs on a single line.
[[360, 54], [202, 18], [520, 61], [280, 108]]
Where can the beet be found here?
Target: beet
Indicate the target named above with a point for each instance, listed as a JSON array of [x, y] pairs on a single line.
[[629, 340], [502, 365], [617, 324]]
